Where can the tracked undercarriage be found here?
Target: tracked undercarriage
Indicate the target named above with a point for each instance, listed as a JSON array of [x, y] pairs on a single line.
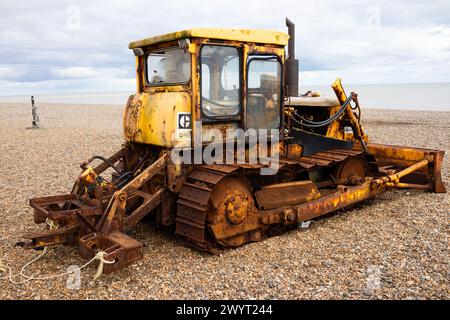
[[223, 204], [216, 206]]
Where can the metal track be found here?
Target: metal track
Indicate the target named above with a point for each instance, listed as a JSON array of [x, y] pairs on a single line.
[[327, 158], [193, 201], [192, 204]]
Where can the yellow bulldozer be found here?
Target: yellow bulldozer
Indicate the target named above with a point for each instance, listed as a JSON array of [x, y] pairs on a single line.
[[220, 145]]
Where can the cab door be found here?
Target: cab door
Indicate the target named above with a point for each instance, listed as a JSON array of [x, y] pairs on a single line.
[[264, 92]]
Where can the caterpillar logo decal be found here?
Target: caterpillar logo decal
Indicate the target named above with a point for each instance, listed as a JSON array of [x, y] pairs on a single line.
[[184, 127], [184, 120]]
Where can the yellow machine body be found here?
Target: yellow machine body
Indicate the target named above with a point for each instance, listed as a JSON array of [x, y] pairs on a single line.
[[151, 118]]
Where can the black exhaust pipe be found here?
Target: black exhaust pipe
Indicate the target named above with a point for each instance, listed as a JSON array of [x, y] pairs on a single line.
[[291, 62]]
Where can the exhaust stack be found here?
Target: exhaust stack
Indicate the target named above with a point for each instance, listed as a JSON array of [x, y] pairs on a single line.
[[291, 63]]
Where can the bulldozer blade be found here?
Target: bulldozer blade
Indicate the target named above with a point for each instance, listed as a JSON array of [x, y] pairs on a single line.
[[345, 196], [396, 158]]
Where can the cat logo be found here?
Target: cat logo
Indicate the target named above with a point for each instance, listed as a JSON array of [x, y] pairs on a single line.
[[184, 120]]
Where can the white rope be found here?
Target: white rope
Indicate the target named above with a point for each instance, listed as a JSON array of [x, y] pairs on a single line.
[[99, 256], [52, 225]]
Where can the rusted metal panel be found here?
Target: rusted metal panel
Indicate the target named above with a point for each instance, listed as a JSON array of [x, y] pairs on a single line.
[[436, 181], [124, 251], [330, 156], [65, 235], [206, 176], [147, 174], [285, 194], [223, 231], [147, 121], [119, 247], [191, 210], [343, 197], [225, 168], [399, 152], [316, 160], [150, 203], [190, 229], [62, 207], [403, 157], [347, 152], [329, 203], [196, 193], [238, 35], [336, 201], [168, 208]]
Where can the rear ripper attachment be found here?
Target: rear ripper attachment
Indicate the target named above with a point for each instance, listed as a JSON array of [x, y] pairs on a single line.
[[96, 215]]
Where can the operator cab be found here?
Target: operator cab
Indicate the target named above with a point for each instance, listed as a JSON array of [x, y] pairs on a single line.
[[225, 78]]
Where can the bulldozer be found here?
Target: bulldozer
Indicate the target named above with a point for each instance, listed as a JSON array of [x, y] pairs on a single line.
[[194, 88]]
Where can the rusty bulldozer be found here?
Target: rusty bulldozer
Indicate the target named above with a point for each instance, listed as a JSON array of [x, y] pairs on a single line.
[[196, 83]]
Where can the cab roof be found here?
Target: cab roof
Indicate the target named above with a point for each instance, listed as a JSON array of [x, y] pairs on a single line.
[[242, 35]]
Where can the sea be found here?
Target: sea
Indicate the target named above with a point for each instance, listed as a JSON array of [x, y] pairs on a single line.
[[429, 96]]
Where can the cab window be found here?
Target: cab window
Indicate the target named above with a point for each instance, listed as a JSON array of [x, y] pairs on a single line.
[[220, 81], [168, 66], [264, 92]]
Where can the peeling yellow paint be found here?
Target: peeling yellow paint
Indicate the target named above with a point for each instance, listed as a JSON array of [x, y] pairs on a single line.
[[153, 118], [243, 35]]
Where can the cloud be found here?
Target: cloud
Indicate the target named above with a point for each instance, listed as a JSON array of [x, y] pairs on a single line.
[[82, 45]]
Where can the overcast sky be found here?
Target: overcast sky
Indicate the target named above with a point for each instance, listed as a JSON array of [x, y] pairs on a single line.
[[78, 46]]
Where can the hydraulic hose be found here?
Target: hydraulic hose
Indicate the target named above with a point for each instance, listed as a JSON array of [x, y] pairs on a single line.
[[313, 124]]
